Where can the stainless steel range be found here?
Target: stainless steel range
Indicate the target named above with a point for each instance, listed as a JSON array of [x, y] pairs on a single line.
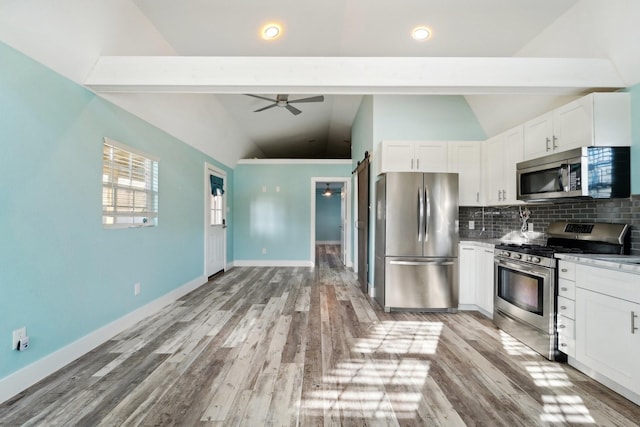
[[525, 279]]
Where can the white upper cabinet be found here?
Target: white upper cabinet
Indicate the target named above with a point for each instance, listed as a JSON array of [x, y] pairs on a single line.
[[465, 159], [501, 154], [413, 156], [602, 119]]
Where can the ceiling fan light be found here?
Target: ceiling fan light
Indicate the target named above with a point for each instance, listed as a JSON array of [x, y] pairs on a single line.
[[327, 192]]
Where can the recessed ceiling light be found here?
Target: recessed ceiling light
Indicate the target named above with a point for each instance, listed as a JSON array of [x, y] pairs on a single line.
[[421, 33], [271, 31]]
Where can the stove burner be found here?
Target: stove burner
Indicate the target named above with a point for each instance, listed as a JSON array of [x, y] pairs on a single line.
[[539, 250]]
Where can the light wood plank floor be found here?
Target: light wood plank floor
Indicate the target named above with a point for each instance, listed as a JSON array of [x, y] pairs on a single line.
[[300, 346]]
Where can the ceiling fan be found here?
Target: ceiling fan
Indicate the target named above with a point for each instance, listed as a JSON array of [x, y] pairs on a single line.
[[283, 101]]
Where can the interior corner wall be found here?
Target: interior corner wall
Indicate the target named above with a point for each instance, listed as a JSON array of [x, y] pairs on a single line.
[[62, 275], [273, 210]]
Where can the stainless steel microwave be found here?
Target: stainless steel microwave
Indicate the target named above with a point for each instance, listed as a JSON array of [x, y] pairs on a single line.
[[588, 172]]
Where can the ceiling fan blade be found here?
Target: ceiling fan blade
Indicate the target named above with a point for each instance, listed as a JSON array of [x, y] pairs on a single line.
[[265, 108], [293, 109], [261, 97], [310, 99]]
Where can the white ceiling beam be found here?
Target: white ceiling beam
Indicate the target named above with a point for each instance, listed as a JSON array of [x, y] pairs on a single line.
[[350, 75]]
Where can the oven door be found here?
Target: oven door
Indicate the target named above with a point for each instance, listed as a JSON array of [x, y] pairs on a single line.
[[525, 293]]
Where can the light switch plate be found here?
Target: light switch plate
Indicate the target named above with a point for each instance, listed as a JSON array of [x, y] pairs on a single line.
[[530, 225], [472, 225]]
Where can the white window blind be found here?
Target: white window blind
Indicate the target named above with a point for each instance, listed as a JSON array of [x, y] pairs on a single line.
[[129, 187]]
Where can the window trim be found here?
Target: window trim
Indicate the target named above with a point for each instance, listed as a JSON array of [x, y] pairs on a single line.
[[150, 192]]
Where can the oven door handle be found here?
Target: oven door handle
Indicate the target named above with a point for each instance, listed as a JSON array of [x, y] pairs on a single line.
[[521, 268]]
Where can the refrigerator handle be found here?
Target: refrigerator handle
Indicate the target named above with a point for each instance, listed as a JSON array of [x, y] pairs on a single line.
[[427, 198], [420, 214]]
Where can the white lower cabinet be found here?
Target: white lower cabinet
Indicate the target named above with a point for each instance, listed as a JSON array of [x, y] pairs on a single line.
[[476, 277], [607, 324]]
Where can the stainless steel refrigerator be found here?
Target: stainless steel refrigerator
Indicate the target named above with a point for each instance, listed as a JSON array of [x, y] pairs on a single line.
[[417, 241]]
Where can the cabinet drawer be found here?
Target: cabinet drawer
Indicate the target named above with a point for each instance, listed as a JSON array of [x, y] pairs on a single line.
[[566, 307], [566, 327], [567, 346], [567, 289], [567, 270]]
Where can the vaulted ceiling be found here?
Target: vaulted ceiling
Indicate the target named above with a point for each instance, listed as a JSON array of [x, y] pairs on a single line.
[[335, 38]]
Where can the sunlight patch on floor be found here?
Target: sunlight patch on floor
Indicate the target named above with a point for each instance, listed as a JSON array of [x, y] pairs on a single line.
[[547, 374], [401, 338], [387, 382], [566, 408], [371, 389], [514, 347]]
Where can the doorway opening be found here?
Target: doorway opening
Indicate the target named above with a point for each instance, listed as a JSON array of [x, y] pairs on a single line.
[[331, 216]]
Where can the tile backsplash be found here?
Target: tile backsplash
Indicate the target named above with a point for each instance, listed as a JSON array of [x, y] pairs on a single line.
[[496, 222]]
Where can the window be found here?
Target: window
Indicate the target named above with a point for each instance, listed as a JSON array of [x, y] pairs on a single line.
[[216, 210], [129, 187]]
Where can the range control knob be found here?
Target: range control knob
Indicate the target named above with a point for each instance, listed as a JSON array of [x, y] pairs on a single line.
[[517, 256], [535, 259], [528, 258]]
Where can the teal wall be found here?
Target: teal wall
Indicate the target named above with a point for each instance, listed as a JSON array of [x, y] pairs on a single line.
[[440, 117], [280, 221], [62, 275], [328, 216], [635, 136]]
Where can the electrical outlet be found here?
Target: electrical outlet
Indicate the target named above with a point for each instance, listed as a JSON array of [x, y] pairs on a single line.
[[136, 289], [472, 225], [18, 335], [264, 251], [530, 225]]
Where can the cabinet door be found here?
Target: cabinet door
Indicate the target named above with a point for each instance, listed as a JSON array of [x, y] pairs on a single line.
[[397, 156], [538, 134], [467, 275], [494, 159], [513, 153], [573, 125], [464, 158], [431, 156], [604, 339]]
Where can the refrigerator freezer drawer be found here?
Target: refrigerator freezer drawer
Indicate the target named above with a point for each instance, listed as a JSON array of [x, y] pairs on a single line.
[[421, 283]]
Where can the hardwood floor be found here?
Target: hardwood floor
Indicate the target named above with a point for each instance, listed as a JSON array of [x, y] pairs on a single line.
[[300, 346]]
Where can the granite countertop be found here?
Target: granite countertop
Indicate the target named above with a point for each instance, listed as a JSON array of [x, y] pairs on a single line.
[[613, 262]]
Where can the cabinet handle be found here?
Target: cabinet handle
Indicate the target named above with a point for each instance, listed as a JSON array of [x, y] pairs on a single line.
[[547, 141], [562, 326], [562, 307], [411, 164], [564, 344], [564, 289], [555, 146], [634, 328], [564, 270], [477, 196], [499, 195], [504, 194], [417, 164]]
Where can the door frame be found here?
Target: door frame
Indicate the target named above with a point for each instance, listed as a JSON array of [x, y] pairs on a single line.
[[346, 182], [208, 168]]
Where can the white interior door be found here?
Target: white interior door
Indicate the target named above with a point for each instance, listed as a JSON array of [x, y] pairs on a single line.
[[215, 224]]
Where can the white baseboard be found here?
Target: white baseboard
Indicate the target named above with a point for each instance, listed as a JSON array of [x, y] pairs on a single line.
[[272, 263], [31, 374]]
